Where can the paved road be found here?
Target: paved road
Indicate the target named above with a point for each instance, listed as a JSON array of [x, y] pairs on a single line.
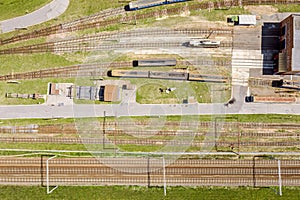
[[46, 13], [131, 108], [135, 109], [223, 153]]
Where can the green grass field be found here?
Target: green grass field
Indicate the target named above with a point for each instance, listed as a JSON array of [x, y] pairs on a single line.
[[137, 193], [77, 9], [287, 8], [220, 14], [27, 87], [148, 91], [15, 8], [23, 63], [43, 146], [259, 118]]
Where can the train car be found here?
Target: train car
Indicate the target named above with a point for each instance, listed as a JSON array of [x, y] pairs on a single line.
[[154, 63], [207, 78], [141, 4], [168, 75], [128, 73], [204, 43]]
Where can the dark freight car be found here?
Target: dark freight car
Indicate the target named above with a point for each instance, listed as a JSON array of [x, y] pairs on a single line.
[[154, 63], [136, 5], [128, 73]]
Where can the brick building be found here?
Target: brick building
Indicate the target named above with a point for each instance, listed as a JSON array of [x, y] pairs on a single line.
[[289, 55]]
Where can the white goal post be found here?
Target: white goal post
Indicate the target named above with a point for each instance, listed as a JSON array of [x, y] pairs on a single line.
[[47, 176]]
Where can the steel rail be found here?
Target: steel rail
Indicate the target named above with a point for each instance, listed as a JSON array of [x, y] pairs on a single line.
[[135, 171], [106, 17]]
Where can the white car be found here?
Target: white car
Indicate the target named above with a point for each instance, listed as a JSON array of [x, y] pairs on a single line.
[[205, 43]]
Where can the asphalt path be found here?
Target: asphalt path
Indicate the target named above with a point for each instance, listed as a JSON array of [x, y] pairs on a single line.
[[135, 109], [223, 153], [46, 13]]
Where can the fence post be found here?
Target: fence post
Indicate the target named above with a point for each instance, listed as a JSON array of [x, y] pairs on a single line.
[[279, 178], [164, 172], [47, 176]]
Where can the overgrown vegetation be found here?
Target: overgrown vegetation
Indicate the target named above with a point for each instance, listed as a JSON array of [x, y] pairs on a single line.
[[43, 146], [287, 8], [136, 193], [220, 14]]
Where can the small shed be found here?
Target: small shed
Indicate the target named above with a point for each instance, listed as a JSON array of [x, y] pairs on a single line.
[[54, 89], [111, 93], [247, 20], [86, 92]]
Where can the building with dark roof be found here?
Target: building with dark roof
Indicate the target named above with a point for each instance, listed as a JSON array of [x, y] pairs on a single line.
[[289, 56], [103, 93], [86, 92]]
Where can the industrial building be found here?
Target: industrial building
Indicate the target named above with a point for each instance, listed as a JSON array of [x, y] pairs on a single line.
[[109, 93], [288, 58]]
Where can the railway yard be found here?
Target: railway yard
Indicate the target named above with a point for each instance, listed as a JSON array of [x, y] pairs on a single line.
[[148, 94]]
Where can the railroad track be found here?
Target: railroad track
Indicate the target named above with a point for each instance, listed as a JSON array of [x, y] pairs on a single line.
[[286, 142], [51, 47], [110, 17], [101, 16], [107, 41], [146, 32], [148, 172], [171, 126], [209, 124], [92, 70], [67, 26], [105, 18]]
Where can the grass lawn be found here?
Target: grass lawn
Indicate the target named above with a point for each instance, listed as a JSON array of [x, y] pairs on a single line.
[[148, 91], [32, 62], [24, 122], [15, 8], [136, 193], [220, 14], [81, 8], [77, 9], [259, 118], [27, 87], [287, 8], [43, 146]]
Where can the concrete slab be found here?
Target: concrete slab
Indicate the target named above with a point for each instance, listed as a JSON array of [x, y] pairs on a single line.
[[246, 54]]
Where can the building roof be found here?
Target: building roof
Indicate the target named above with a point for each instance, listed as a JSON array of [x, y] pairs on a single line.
[[296, 49], [54, 90], [86, 92], [111, 93], [282, 62], [247, 19]]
